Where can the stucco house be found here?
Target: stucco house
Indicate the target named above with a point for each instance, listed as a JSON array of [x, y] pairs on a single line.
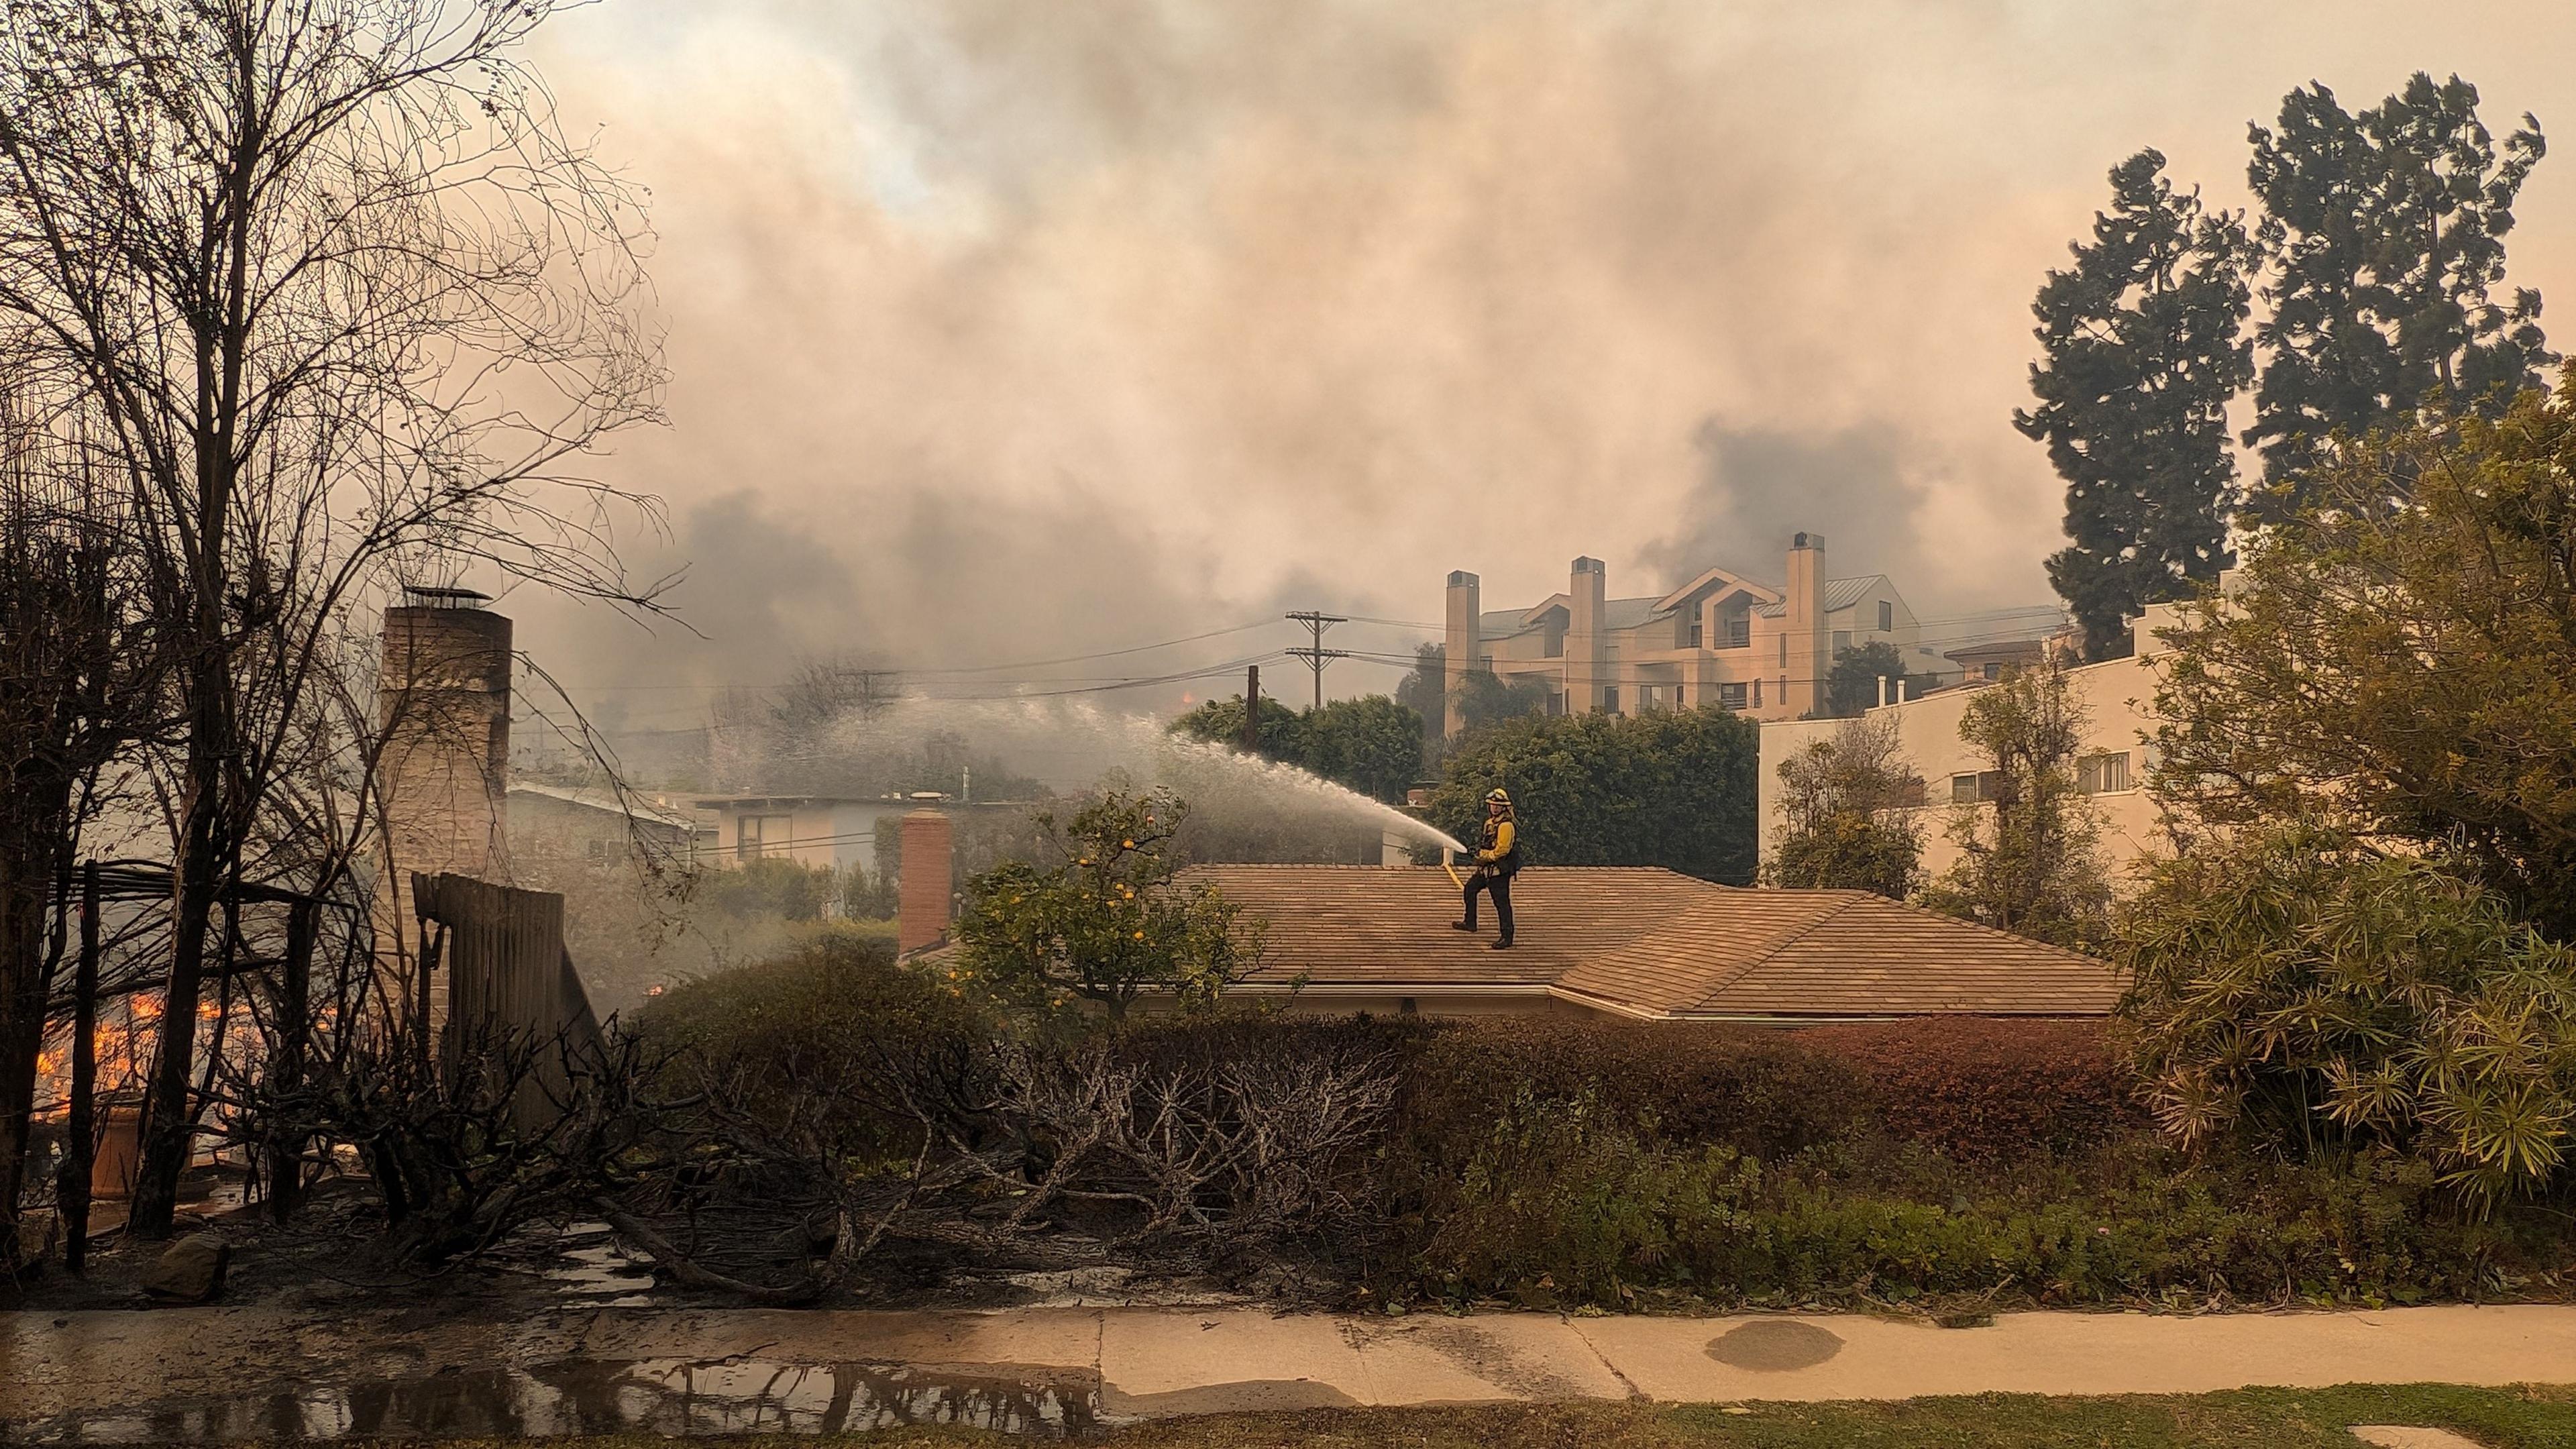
[[2117, 697], [1721, 639]]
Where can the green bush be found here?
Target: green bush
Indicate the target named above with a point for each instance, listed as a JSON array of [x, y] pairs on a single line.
[[769, 886], [2316, 996], [1560, 1203], [838, 1017]]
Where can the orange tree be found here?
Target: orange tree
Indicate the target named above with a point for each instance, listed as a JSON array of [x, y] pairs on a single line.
[[1103, 918]]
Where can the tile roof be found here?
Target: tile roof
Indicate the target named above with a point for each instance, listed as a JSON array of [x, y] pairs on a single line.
[[1650, 942]]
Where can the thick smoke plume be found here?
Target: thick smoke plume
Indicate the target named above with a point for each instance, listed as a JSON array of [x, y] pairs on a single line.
[[1005, 331]]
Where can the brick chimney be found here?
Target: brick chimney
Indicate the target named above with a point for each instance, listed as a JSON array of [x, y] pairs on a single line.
[[1587, 647], [1463, 644], [1810, 640], [921, 907], [443, 700]]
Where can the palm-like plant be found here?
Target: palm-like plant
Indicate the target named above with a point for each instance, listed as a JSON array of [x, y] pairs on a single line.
[[2321, 995]]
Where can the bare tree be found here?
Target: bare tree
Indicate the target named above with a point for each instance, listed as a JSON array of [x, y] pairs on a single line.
[[348, 305], [77, 687]]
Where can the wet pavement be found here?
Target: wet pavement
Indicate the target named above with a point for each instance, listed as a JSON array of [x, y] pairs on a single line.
[[591, 1396], [227, 1374]]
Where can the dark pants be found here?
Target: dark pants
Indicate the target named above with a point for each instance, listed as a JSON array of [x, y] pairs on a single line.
[[1499, 886]]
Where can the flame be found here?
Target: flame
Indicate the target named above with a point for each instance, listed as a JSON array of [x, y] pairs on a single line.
[[127, 1038]]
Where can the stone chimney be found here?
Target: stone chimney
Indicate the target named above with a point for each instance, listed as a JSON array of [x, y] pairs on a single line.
[[443, 701], [1587, 647], [1809, 637], [921, 906], [1465, 646]]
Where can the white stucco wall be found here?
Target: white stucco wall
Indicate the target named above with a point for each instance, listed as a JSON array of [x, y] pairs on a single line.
[[2117, 698]]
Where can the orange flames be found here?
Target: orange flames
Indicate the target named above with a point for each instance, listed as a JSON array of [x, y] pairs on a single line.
[[128, 1037]]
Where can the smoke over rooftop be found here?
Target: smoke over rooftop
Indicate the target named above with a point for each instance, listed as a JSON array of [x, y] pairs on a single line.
[[1005, 331]]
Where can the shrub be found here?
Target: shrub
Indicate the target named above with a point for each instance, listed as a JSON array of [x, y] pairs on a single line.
[[1980, 1089], [1976, 1089], [1843, 821], [1106, 920], [838, 1015], [1756, 1091], [1561, 1202], [2315, 994], [1562, 1206]]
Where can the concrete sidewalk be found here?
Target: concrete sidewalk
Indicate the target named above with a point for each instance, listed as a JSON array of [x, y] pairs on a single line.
[[216, 1372]]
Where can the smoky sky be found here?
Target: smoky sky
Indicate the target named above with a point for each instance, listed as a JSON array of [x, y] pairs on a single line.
[[1002, 330], [1757, 486]]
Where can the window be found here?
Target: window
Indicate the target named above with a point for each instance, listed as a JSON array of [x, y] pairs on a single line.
[[1757, 694], [1730, 696], [1842, 642], [596, 849], [1739, 630], [1993, 669], [1984, 785], [1784, 651], [2102, 774], [758, 835], [1886, 617], [1610, 699], [1698, 631]]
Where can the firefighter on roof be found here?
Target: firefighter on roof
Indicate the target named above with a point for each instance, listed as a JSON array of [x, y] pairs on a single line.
[[1498, 858]]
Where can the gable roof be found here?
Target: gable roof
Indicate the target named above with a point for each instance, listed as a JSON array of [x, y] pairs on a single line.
[[608, 802], [1840, 594], [1615, 614], [1646, 942], [1708, 577]]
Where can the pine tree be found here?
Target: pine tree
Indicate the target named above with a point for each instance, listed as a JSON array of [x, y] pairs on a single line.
[[2383, 234], [2143, 351]]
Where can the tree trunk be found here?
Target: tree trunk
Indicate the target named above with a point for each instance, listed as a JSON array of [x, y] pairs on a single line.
[[169, 1123], [25, 880], [294, 1023], [80, 1124]]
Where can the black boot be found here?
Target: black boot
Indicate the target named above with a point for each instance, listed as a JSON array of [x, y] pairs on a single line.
[[1462, 925], [1504, 944]]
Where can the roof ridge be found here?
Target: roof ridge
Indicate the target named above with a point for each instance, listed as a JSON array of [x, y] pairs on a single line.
[[2015, 936], [1770, 950]]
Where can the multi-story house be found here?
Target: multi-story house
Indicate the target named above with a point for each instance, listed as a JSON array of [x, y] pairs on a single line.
[[2117, 700], [1722, 639]]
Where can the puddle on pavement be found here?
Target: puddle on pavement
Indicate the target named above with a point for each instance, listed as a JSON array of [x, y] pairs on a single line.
[[1775, 1345], [596, 1273], [653, 1396]]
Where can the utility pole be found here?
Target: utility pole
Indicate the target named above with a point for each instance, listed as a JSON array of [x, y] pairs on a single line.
[[1315, 655], [1252, 709]]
